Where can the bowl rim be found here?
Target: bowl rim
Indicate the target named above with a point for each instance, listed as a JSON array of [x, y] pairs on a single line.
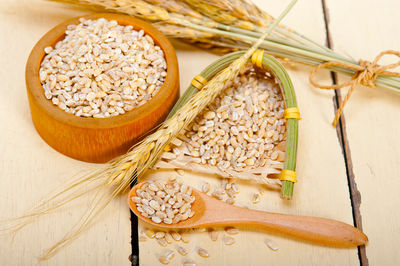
[[35, 89]]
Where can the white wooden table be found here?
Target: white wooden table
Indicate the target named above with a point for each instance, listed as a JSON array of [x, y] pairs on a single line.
[[350, 174]]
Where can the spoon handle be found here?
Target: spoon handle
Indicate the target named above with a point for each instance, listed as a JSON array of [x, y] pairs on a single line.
[[319, 230]]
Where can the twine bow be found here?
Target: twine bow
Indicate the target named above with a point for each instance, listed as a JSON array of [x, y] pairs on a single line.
[[365, 74]]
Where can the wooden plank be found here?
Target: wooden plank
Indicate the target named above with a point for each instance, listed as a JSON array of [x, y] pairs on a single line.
[[370, 115], [30, 169], [341, 130], [322, 189]]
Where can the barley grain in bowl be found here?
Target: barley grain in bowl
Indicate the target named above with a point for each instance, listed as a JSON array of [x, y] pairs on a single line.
[[97, 84], [102, 69]]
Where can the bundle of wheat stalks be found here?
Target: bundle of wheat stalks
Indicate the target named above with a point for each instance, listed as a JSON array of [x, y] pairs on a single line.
[[226, 25]]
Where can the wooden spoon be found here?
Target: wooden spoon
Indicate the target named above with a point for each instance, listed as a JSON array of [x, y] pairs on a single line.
[[210, 212]]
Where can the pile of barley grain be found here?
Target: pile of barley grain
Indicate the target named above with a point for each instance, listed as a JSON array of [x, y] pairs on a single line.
[[241, 129], [102, 69], [167, 202]]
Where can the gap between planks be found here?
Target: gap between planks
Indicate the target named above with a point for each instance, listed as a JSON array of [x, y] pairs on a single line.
[[355, 196], [134, 257]]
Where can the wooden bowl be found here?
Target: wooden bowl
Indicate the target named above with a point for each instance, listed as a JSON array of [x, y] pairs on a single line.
[[98, 139]]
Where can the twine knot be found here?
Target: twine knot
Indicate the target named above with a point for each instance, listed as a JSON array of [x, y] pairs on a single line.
[[365, 73]]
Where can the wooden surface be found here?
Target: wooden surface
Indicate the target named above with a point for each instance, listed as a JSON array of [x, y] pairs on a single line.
[[372, 119], [29, 167]]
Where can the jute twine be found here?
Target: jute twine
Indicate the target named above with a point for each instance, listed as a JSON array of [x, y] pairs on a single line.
[[365, 74]]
